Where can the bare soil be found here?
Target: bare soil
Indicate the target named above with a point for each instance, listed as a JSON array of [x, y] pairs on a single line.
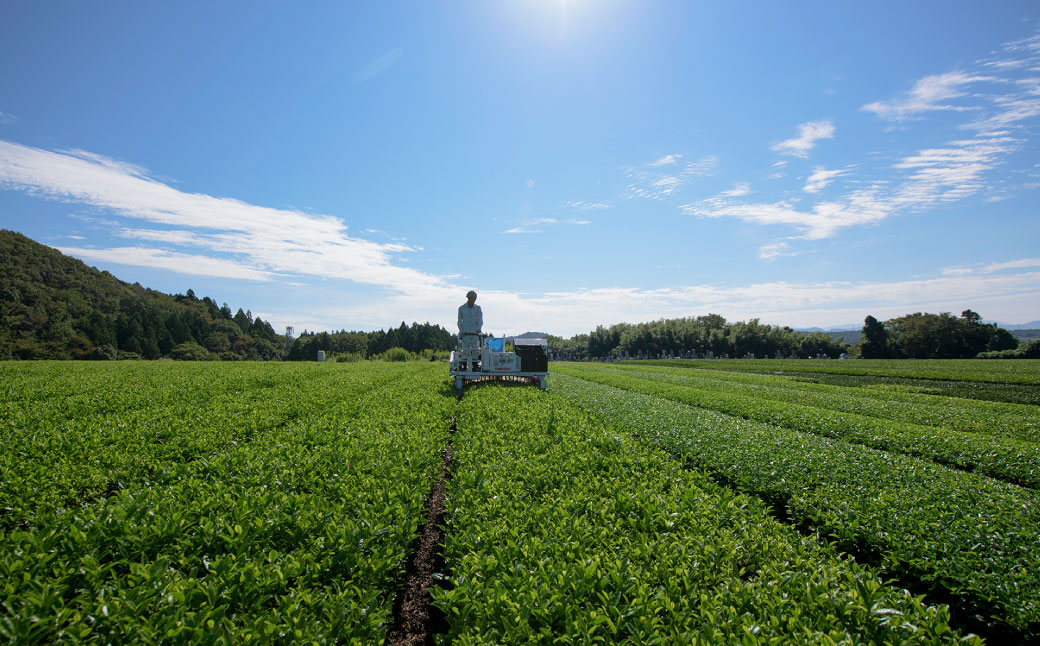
[[415, 619]]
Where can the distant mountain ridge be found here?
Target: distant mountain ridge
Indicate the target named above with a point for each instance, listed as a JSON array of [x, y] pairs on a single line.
[[528, 335], [1032, 325], [834, 328]]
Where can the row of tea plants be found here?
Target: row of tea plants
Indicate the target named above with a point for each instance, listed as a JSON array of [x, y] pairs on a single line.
[[564, 530], [960, 537], [292, 531]]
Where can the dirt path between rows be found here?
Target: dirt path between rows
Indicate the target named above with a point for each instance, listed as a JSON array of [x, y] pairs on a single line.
[[415, 619]]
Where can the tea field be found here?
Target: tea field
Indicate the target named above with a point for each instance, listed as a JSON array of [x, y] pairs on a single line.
[[813, 502]]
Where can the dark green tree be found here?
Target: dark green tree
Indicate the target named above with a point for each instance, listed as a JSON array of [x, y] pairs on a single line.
[[876, 343]]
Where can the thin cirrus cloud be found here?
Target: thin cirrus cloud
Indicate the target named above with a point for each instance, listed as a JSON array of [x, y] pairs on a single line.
[[1022, 263], [820, 221], [773, 250], [820, 178], [666, 176], [1003, 89], [922, 180], [808, 134], [739, 189], [667, 160], [928, 94], [181, 263], [255, 242], [585, 206], [533, 225], [999, 97]]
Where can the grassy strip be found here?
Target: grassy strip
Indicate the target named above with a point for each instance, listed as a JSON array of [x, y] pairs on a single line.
[[1002, 458], [1009, 371], [563, 531], [1006, 420], [966, 540], [296, 537]]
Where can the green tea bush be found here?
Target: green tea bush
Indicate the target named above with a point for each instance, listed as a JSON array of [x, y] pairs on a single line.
[[1008, 459], [296, 534], [968, 540], [566, 531]]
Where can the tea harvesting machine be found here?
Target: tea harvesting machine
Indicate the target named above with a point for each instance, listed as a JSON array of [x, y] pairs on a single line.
[[489, 361]]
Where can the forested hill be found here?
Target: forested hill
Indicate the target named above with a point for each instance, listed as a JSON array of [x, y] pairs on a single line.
[[56, 307]]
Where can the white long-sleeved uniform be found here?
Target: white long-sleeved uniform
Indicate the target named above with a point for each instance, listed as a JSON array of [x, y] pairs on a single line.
[[471, 319]]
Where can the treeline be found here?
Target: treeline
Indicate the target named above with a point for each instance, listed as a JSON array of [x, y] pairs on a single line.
[[415, 339], [706, 333], [917, 336], [56, 307], [940, 336]]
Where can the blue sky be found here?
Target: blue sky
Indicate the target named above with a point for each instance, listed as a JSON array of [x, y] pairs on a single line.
[[581, 162]]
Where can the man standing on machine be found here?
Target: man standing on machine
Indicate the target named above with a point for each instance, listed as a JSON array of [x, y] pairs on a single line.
[[471, 320]]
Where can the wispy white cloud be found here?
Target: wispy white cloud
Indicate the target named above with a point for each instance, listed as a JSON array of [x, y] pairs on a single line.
[[261, 241], [774, 250], [1005, 65], [180, 263], [377, 67], [171, 236], [950, 173], [1010, 297], [667, 160], [1010, 110], [822, 220], [808, 134], [1000, 102], [534, 225], [929, 93], [820, 178], [739, 189], [930, 177], [993, 267], [107, 163], [586, 206], [1002, 90], [666, 176], [7, 117], [95, 221], [1023, 263]]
